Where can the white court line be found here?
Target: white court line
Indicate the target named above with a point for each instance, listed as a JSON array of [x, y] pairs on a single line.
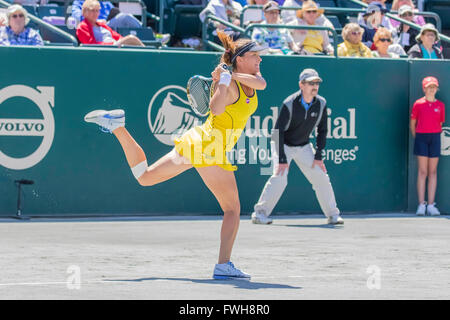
[[30, 284]]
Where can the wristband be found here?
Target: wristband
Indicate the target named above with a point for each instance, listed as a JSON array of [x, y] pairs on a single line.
[[225, 78]]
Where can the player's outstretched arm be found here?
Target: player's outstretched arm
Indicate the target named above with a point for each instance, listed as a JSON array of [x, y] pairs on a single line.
[[256, 81]]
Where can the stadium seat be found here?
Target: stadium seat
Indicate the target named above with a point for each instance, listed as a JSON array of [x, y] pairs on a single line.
[[347, 4], [71, 31], [55, 38], [442, 8], [168, 15], [185, 22], [146, 35], [335, 21], [30, 9], [50, 11], [326, 3], [152, 6], [141, 33]]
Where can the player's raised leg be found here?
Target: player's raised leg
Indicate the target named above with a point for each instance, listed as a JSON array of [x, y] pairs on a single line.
[[165, 168]]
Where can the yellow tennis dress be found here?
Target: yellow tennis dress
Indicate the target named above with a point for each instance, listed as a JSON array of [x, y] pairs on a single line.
[[207, 145]]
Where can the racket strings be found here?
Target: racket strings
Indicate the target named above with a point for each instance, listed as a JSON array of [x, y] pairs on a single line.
[[200, 90]]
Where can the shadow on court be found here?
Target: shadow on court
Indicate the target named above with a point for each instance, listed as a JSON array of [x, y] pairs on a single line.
[[322, 226], [240, 284]]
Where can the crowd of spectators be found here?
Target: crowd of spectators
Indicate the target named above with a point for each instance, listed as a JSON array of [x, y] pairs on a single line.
[[96, 22], [370, 34]]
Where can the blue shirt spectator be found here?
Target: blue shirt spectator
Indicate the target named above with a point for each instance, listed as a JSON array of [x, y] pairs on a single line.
[[242, 2], [28, 37], [15, 33]]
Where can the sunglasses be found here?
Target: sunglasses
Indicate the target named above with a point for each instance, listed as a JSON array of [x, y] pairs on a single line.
[[311, 11], [356, 33], [20, 15], [407, 14], [313, 83], [385, 40]]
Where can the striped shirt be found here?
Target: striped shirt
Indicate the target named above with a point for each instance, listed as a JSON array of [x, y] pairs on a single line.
[[28, 37]]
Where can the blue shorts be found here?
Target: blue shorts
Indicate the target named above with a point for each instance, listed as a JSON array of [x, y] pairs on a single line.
[[427, 145]]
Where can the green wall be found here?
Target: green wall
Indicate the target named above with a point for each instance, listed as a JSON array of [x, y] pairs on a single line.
[[85, 171]]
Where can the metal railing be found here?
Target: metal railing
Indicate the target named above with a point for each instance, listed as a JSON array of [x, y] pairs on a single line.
[[205, 25], [48, 26], [161, 16]]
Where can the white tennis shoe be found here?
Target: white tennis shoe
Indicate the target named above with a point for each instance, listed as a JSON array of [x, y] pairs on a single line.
[[107, 120], [336, 219], [260, 217], [432, 210], [227, 271], [421, 209]]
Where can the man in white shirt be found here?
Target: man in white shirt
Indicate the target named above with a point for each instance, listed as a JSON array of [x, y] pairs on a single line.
[[227, 10]]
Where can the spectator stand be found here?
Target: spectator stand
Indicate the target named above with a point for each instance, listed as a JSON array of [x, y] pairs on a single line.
[[341, 16], [181, 21], [249, 29], [426, 14], [57, 27], [347, 14], [134, 7], [445, 40], [139, 9], [51, 34], [337, 16]]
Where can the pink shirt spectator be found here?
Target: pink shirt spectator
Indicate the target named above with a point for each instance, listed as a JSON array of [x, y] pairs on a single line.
[[429, 115], [417, 20]]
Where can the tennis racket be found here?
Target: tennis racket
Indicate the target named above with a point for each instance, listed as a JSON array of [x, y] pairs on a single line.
[[199, 92]]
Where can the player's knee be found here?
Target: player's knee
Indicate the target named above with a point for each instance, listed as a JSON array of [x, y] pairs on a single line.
[[139, 172], [234, 210]]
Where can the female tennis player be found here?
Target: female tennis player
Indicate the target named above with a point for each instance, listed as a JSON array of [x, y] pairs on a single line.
[[234, 100]]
